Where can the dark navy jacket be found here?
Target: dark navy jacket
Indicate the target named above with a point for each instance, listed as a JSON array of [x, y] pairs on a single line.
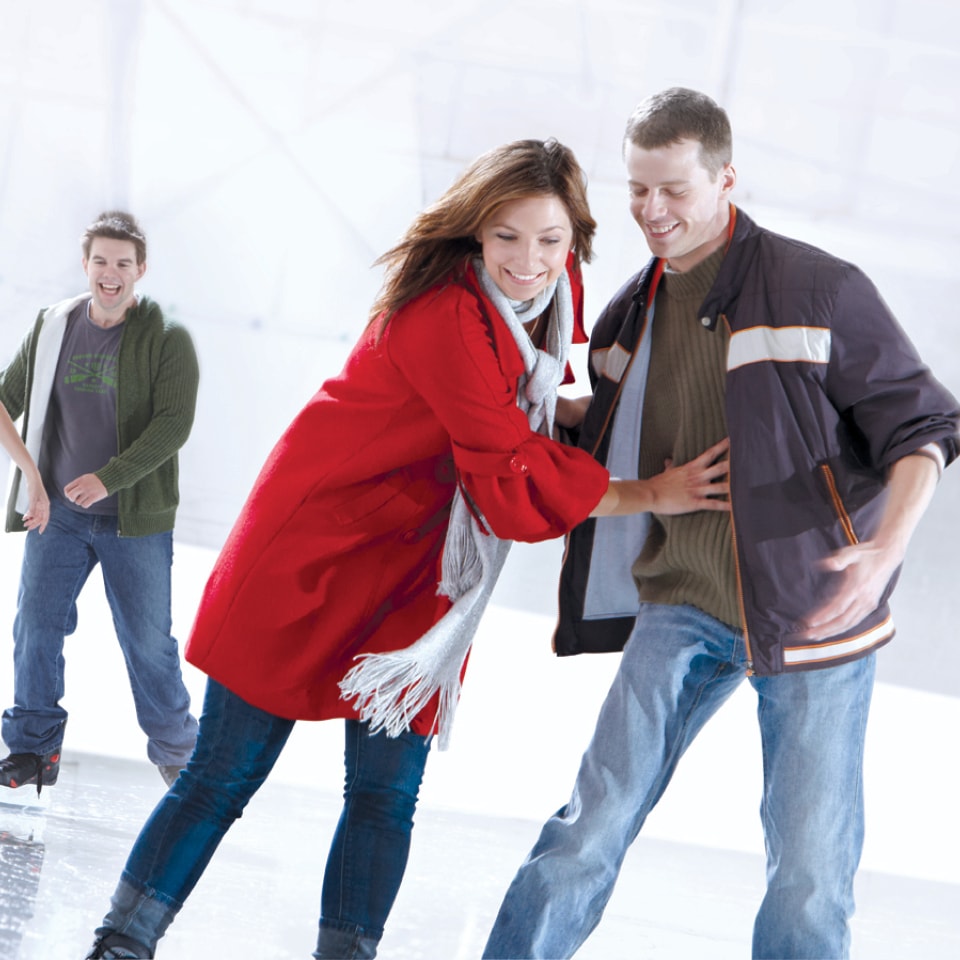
[[824, 392]]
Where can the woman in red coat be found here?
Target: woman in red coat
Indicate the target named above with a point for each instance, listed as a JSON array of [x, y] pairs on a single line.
[[416, 466]]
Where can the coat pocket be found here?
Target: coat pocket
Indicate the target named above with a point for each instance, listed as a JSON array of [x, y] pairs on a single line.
[[841, 511], [367, 499]]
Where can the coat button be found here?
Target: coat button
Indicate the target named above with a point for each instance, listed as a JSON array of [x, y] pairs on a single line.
[[517, 465], [706, 321]]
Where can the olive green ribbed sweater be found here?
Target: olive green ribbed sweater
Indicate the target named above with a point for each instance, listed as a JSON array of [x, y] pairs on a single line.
[[687, 558], [156, 399]]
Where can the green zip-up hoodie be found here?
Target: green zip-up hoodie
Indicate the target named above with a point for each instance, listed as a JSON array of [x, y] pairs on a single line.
[[156, 400]]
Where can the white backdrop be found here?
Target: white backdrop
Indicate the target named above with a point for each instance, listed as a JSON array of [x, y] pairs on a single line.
[[273, 148]]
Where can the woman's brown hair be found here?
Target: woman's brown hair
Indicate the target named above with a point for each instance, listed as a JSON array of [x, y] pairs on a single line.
[[441, 240]]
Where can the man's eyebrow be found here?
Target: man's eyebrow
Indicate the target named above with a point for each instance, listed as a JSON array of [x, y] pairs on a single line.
[[664, 183]]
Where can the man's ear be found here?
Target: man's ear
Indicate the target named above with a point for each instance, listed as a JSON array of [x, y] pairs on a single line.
[[728, 178]]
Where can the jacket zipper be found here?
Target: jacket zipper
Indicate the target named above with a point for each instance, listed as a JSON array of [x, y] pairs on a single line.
[[740, 603], [641, 303], [838, 506], [736, 560]]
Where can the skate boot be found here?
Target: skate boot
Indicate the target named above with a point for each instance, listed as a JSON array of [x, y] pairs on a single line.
[[19, 769], [115, 946]]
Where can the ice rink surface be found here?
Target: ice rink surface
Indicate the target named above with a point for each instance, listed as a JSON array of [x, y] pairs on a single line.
[[258, 899], [689, 887]]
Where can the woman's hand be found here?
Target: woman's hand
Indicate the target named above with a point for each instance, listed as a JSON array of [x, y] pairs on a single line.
[[695, 485], [698, 484], [38, 511], [571, 411]]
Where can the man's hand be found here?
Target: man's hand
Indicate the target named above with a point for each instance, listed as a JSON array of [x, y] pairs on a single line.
[[864, 569], [85, 490]]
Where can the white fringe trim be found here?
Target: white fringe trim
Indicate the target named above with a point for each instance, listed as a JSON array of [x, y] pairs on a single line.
[[390, 689]]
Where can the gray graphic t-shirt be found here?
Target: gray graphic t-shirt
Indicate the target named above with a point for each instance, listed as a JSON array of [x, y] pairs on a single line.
[[80, 435]]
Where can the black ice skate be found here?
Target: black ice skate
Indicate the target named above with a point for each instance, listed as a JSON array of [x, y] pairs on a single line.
[[19, 769]]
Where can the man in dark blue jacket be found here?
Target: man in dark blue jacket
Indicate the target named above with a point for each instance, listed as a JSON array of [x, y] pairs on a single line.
[[838, 434]]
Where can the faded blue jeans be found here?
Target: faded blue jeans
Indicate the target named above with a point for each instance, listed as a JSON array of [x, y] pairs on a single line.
[[678, 668], [236, 750], [136, 576]]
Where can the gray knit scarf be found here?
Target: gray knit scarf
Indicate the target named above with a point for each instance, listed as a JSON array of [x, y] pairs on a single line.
[[390, 689]]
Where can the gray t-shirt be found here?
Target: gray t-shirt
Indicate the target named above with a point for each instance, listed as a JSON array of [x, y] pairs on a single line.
[[80, 434]]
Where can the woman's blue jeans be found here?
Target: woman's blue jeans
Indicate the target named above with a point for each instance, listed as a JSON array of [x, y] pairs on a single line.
[[237, 747], [678, 668]]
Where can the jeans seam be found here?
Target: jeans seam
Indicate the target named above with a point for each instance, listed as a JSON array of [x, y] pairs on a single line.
[[81, 575], [673, 758], [355, 745]]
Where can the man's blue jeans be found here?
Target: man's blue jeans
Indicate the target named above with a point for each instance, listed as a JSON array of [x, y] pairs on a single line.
[[678, 668], [236, 749], [136, 576]]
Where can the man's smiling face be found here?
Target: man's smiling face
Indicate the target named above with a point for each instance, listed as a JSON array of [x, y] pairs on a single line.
[[112, 271], [682, 209]]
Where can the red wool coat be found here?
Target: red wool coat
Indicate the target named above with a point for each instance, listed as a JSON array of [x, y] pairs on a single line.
[[337, 549]]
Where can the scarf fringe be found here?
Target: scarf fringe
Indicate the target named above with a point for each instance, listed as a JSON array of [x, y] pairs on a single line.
[[390, 689]]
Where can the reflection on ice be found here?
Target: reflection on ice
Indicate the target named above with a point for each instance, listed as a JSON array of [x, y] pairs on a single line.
[[59, 862], [21, 860]]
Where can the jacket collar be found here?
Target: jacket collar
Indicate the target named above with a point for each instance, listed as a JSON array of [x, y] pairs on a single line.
[[742, 231], [741, 249]]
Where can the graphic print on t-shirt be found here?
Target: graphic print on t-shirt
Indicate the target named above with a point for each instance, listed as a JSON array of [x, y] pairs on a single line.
[[80, 433], [92, 372]]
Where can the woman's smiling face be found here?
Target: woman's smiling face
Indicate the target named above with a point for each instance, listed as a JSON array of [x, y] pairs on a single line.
[[525, 245]]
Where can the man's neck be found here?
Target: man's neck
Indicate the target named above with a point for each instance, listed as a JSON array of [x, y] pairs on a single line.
[[689, 260], [109, 318]]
